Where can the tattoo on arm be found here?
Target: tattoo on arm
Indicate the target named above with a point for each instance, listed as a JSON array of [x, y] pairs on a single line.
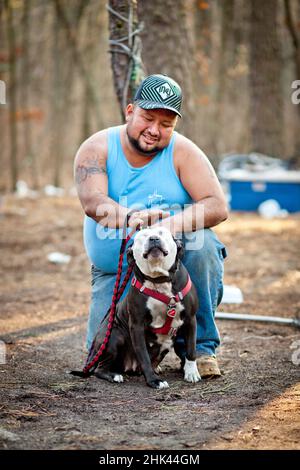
[[90, 167]]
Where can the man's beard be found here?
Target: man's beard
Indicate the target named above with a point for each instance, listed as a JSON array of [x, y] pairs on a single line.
[[136, 145]]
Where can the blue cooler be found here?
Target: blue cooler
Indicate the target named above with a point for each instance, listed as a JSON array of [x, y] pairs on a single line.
[[248, 190]]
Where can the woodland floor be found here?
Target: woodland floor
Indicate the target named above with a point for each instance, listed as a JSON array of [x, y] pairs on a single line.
[[254, 405]]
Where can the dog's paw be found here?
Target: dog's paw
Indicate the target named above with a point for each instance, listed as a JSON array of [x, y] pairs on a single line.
[[163, 384], [191, 373], [118, 378], [158, 384]]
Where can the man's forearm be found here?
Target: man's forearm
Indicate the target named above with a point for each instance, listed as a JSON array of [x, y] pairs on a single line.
[[203, 214], [105, 210]]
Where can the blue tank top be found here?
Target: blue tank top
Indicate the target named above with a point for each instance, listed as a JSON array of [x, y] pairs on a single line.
[[154, 185]]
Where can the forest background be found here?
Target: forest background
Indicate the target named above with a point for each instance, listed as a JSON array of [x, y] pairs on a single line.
[[237, 62]]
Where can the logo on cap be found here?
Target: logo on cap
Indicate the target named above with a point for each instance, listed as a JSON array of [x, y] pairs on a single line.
[[165, 91]]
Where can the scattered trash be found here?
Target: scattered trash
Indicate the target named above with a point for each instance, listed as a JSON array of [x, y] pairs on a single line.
[[8, 436], [232, 295], [271, 208], [51, 190], [58, 258], [22, 190], [250, 163]]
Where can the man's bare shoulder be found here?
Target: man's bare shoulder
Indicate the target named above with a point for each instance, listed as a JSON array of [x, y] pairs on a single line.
[[95, 144], [185, 148]]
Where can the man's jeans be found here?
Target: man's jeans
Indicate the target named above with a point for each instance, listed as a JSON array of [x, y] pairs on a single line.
[[205, 266]]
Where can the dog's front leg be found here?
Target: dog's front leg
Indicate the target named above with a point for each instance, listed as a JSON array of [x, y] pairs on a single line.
[[190, 368], [137, 333]]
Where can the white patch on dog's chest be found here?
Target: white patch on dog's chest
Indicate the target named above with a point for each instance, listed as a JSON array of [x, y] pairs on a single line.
[[159, 309]]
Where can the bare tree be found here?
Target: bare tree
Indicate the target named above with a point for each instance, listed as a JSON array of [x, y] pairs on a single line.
[[292, 21], [66, 22], [29, 153], [167, 49], [12, 95], [125, 48], [202, 13], [266, 100], [294, 29], [226, 58]]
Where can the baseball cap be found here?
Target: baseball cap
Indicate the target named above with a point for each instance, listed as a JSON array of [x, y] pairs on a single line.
[[159, 92]]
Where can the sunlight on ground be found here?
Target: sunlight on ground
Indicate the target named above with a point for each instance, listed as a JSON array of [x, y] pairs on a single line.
[[282, 413], [253, 223]]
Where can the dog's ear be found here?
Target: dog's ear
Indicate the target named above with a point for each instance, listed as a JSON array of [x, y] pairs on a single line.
[[130, 257], [179, 255], [180, 248]]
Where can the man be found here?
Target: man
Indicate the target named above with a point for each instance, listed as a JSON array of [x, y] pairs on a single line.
[[146, 165]]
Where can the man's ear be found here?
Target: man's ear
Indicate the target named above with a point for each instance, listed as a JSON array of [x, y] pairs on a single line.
[[130, 257], [180, 248], [129, 111]]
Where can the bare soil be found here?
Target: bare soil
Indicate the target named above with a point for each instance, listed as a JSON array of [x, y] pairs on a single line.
[[254, 405]]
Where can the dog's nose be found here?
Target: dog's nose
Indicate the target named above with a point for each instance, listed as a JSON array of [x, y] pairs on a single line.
[[154, 238]]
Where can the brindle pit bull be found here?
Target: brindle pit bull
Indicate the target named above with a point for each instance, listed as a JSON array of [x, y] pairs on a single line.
[[145, 327]]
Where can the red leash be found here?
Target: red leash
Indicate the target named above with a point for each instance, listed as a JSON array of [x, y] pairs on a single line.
[[91, 364]]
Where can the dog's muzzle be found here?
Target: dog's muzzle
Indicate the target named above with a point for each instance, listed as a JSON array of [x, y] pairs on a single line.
[[155, 247]]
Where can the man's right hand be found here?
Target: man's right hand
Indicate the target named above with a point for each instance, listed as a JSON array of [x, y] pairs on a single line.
[[146, 218]]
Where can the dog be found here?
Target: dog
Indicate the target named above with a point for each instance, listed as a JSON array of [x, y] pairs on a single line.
[[161, 303]]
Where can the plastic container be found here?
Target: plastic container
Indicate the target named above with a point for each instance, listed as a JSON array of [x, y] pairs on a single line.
[[248, 190]]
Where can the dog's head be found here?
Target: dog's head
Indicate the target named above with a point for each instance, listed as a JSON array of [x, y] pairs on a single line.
[[155, 252]]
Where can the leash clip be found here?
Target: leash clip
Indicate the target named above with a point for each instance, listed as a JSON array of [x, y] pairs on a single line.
[[172, 332]]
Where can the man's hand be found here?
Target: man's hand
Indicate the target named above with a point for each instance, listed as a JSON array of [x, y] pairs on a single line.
[[146, 218]]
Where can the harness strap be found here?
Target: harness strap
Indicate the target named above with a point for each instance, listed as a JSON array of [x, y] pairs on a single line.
[[166, 329], [159, 295]]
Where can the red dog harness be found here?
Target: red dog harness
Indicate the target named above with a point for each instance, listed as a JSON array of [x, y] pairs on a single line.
[[169, 301]]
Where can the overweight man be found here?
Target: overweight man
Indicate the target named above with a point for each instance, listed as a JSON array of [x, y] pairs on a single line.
[[146, 166]]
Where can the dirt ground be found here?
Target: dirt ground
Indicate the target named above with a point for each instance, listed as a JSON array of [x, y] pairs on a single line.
[[254, 405]]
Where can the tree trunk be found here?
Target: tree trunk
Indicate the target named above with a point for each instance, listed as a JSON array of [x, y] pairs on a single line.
[[167, 49], [76, 55], [12, 98], [29, 154], [203, 33], [57, 103], [203, 47], [90, 58], [266, 100], [125, 48], [295, 34], [292, 19], [66, 22], [226, 59]]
